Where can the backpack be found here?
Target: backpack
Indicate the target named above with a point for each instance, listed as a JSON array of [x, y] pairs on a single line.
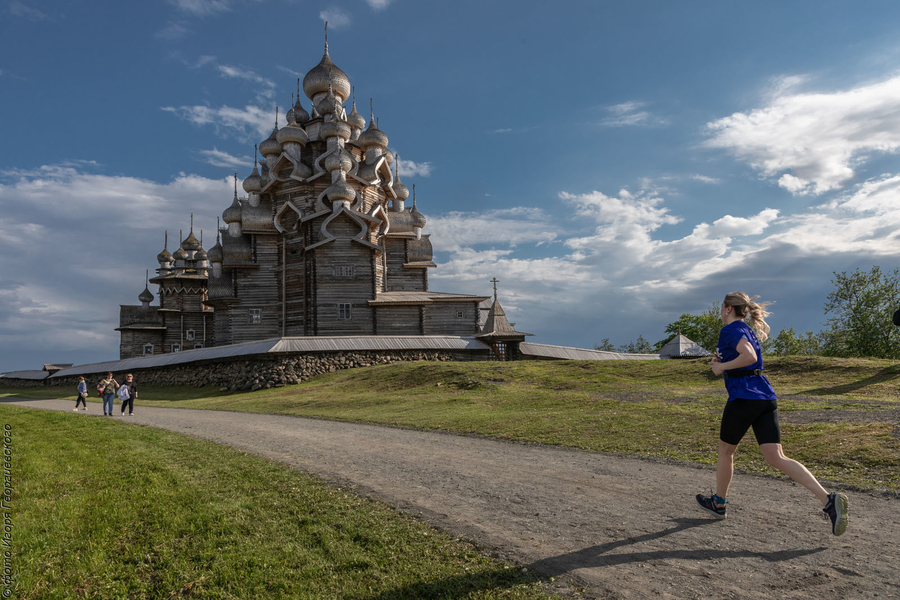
[[123, 393]]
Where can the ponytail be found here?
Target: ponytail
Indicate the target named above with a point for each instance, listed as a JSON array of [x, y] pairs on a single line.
[[744, 307]]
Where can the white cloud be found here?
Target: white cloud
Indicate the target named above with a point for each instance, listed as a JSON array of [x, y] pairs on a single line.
[[19, 9], [811, 142], [335, 17], [247, 124], [507, 227], [409, 168], [265, 87], [218, 158], [706, 179], [173, 31], [202, 8], [629, 114], [378, 4]]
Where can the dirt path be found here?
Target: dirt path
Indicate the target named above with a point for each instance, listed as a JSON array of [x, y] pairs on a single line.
[[621, 527]]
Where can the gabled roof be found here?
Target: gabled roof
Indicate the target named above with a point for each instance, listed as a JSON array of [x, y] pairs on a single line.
[[497, 325], [681, 347]]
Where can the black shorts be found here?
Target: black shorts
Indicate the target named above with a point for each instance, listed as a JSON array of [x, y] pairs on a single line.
[[740, 415]]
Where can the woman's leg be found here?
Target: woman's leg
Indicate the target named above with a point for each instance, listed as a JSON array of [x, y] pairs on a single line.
[[724, 468], [775, 457]]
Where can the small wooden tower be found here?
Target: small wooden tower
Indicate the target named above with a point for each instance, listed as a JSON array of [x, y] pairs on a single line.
[[499, 333]]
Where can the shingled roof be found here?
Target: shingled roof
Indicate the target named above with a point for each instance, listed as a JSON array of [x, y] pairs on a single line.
[[497, 326]]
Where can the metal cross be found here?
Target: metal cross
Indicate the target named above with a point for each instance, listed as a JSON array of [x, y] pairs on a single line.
[[495, 281]]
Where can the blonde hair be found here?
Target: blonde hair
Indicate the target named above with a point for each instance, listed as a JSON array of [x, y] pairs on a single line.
[[744, 306]]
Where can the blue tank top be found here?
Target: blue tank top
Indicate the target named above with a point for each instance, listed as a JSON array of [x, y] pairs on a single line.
[[754, 387]]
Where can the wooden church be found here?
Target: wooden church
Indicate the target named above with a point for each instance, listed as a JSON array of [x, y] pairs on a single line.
[[325, 243]]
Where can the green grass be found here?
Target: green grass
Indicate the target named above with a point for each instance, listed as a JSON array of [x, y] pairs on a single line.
[[664, 409], [103, 510]]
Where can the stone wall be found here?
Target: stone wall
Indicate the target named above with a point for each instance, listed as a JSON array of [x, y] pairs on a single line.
[[263, 372], [6, 382]]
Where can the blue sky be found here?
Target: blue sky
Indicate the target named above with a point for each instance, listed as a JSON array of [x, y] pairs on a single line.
[[613, 164]]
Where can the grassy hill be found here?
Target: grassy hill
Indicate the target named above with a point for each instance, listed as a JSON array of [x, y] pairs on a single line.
[[839, 416]]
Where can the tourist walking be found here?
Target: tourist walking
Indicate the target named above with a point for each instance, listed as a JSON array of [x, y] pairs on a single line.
[[127, 393], [82, 394], [752, 403], [107, 388]]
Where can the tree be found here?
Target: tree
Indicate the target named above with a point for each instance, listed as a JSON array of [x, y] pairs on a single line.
[[788, 342], [605, 345], [638, 346], [703, 328], [861, 306]]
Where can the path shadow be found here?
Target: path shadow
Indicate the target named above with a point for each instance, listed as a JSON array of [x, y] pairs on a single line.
[[886, 374], [461, 586], [598, 556]]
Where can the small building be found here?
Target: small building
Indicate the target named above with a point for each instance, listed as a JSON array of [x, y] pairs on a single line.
[[682, 347]]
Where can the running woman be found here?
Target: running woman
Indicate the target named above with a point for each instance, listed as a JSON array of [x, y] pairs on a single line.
[[752, 403]]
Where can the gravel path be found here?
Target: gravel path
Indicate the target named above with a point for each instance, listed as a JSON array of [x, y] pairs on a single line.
[[620, 527]]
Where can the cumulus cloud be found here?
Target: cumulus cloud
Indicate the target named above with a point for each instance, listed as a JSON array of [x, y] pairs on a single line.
[[17, 8], [202, 8], [218, 158], [378, 4], [92, 236], [811, 142], [265, 87], [629, 114], [409, 168], [247, 124], [506, 227], [335, 17]]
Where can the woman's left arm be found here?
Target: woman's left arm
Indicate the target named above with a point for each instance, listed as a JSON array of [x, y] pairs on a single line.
[[746, 357]]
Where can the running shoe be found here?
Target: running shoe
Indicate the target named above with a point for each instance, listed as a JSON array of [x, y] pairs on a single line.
[[708, 504], [838, 510]]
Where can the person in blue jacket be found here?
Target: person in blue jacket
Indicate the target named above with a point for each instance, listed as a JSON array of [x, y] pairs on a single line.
[[752, 403]]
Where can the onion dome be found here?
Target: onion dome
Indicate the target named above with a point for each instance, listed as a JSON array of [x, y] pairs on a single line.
[[330, 105], [388, 157], [400, 190], [356, 120], [191, 242], [215, 254], [146, 295], [323, 75], [372, 136], [181, 254], [418, 218], [292, 133], [165, 256], [300, 114], [201, 255], [338, 160], [232, 214], [271, 146], [257, 218], [340, 191], [335, 128], [253, 183]]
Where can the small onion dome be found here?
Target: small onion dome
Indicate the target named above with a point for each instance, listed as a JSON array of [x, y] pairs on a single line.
[[340, 191], [292, 133], [181, 254], [323, 75], [418, 218], [298, 113], [356, 120], [400, 190], [164, 257], [253, 183], [335, 128], [389, 157], [191, 242], [372, 136], [215, 254], [146, 295], [330, 105], [271, 145], [201, 255], [338, 160], [232, 214]]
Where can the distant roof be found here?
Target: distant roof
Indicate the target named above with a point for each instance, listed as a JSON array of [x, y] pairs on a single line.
[[420, 297], [31, 375], [681, 347], [281, 345], [565, 352], [57, 366]]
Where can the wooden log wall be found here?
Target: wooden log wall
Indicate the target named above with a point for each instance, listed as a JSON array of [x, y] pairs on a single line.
[[442, 318]]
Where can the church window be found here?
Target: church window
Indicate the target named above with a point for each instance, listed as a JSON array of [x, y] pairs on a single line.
[[197, 346], [190, 335], [148, 349], [176, 347], [255, 316], [344, 311], [343, 271], [460, 314]]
